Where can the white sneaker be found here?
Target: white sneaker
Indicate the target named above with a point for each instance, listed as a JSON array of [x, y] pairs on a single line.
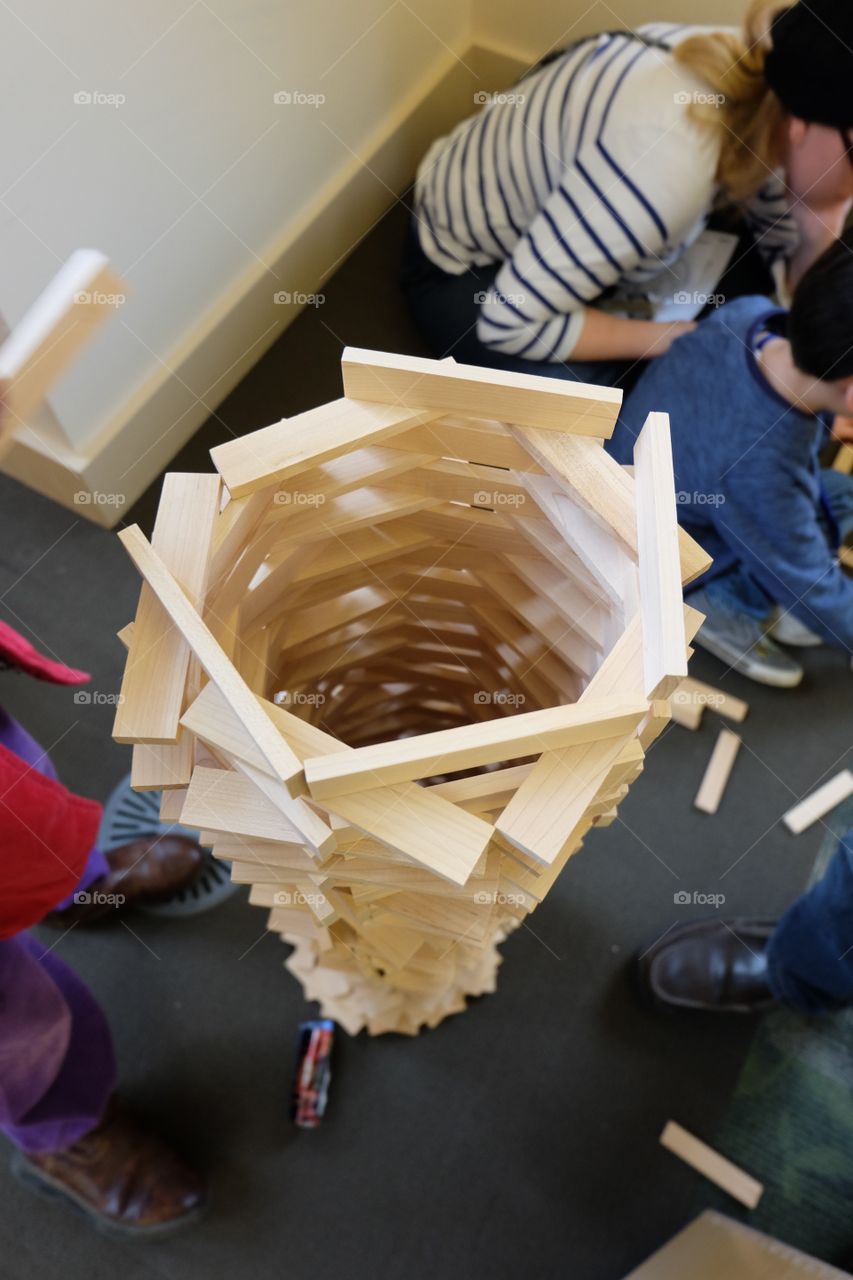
[[789, 630]]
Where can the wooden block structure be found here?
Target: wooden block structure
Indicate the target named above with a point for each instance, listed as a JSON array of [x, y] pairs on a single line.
[[403, 660]]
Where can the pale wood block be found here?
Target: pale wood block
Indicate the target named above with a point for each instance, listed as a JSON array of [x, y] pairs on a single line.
[[525, 399], [155, 676], [716, 776], [423, 826], [161, 767], [697, 693], [56, 327], [172, 803], [555, 796], [820, 802], [226, 801], [125, 635], [712, 1165], [278, 756], [661, 605], [487, 443], [287, 448], [489, 742]]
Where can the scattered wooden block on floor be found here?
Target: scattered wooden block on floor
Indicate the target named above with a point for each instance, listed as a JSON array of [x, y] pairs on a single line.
[[719, 768], [731, 1179], [820, 802]]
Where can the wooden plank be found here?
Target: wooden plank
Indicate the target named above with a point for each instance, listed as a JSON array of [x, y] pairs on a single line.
[[287, 448], [554, 798], [421, 825], [697, 694], [605, 489], [275, 751], [226, 801], [158, 660], [56, 327], [819, 802], [526, 399], [716, 775], [661, 605], [716, 1168], [489, 742]]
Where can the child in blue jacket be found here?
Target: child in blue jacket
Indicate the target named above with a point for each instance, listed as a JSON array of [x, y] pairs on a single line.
[[752, 393]]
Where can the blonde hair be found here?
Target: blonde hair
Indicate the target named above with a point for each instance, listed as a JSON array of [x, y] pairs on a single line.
[[749, 114]]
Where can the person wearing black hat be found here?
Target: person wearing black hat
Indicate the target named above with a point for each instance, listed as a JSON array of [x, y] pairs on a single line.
[[573, 227]]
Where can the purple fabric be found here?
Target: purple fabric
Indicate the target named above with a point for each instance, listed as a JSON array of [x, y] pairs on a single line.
[[57, 1066]]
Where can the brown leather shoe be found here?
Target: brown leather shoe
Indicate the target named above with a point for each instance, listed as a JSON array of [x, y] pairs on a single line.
[[712, 965], [141, 872], [126, 1180]]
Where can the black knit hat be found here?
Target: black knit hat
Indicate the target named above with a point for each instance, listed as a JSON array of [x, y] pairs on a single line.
[[810, 66]]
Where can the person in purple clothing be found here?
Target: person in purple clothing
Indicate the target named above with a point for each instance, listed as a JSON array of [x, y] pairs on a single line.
[[71, 1137]]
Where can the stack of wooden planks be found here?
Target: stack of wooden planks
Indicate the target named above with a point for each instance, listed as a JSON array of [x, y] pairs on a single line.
[[396, 658]]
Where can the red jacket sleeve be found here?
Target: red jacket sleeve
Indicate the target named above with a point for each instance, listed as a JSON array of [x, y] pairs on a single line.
[[46, 834]]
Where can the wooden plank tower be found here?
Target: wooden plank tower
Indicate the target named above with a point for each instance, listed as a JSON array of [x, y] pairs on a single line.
[[398, 655]]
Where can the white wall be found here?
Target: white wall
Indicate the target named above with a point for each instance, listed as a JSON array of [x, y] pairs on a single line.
[[531, 29], [191, 181]]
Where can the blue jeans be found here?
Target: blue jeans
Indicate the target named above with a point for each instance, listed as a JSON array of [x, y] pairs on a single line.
[[810, 956], [445, 309], [736, 588]]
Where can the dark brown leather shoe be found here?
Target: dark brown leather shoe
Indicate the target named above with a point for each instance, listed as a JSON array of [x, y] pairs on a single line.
[[126, 1180], [713, 965], [141, 872]]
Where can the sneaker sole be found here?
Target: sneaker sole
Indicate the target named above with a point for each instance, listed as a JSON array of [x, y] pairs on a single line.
[[46, 1186], [755, 671]]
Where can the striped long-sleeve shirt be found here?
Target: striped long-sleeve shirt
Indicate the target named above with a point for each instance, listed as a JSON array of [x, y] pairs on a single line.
[[589, 178]]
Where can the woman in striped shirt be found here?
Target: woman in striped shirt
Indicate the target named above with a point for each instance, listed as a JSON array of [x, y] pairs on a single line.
[[564, 229]]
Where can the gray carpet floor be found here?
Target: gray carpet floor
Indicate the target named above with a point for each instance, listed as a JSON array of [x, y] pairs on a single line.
[[518, 1140]]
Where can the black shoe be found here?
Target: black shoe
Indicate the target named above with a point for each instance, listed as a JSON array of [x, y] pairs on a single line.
[[719, 966]]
